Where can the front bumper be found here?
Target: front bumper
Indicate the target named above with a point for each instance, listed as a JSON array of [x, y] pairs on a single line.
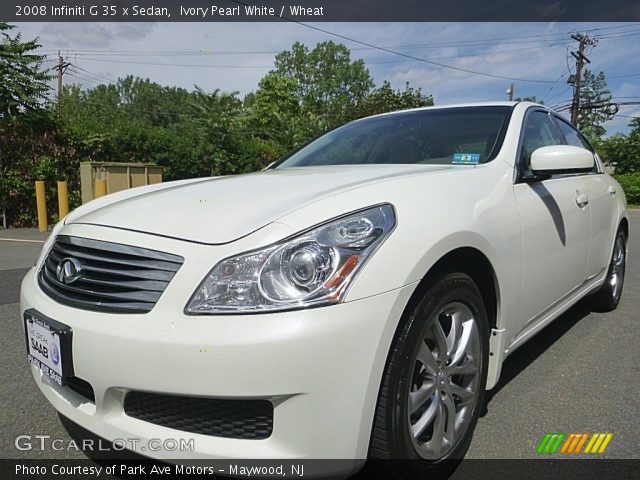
[[320, 367]]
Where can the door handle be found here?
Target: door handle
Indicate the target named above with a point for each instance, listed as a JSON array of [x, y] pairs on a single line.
[[582, 199], [612, 191]]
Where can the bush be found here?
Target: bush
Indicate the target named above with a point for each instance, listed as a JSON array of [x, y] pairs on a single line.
[[33, 147], [630, 183]]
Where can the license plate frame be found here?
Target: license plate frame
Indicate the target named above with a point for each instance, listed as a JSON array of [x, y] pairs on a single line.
[[52, 356]]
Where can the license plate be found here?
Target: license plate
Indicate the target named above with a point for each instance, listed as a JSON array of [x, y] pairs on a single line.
[[49, 346]]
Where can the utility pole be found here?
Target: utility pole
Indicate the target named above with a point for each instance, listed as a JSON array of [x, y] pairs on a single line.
[[61, 67], [584, 41], [510, 92]]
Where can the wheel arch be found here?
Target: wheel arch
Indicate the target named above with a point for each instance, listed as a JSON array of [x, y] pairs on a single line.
[[624, 225], [473, 262]]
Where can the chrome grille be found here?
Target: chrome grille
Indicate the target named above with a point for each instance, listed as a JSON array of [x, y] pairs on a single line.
[[111, 278]]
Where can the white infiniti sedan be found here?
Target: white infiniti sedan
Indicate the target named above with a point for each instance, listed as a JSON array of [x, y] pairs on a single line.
[[355, 300]]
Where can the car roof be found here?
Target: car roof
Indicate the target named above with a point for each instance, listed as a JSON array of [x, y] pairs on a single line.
[[460, 105]]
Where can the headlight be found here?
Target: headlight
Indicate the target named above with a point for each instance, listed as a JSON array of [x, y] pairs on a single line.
[[314, 267]]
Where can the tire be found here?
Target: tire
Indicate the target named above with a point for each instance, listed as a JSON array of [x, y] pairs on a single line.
[[418, 377], [608, 296]]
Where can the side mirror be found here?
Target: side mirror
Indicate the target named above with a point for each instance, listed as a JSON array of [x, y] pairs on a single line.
[[561, 159]]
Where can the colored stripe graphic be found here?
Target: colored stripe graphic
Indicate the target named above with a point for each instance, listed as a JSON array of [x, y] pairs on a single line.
[[607, 439], [556, 445], [581, 443], [598, 443], [550, 443], [572, 443], [543, 443]]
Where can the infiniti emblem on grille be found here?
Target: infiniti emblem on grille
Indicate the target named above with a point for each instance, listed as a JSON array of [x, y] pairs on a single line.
[[68, 270]]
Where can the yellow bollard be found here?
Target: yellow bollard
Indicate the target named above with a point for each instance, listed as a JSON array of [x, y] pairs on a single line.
[[41, 204], [100, 188], [63, 199]]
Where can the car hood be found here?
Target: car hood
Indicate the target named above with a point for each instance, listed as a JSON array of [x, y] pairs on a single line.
[[222, 209]]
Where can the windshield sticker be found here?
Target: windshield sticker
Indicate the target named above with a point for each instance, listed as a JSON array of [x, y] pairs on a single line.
[[466, 158]]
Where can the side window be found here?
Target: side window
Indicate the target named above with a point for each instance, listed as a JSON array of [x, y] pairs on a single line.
[[572, 136], [539, 132]]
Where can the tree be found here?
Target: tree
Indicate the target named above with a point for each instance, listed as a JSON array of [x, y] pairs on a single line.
[[386, 99], [621, 150], [23, 85], [275, 118], [23, 88], [532, 98], [328, 83], [593, 111], [275, 101], [214, 118]]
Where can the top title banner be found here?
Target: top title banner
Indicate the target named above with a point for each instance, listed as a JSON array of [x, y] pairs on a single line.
[[317, 10]]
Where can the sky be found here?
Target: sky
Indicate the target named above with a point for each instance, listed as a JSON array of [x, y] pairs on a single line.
[[235, 56]]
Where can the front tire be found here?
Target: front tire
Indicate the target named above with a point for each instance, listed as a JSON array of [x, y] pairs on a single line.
[[434, 380], [608, 296]]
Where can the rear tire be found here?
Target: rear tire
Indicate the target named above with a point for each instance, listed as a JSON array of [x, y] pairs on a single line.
[[434, 381], [608, 296]]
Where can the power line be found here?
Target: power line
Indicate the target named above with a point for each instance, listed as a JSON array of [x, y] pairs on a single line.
[[394, 52], [73, 74], [98, 76], [622, 35], [86, 77], [271, 52], [422, 60], [408, 59], [546, 97], [497, 52], [625, 76], [479, 42], [75, 53], [560, 94], [174, 64]]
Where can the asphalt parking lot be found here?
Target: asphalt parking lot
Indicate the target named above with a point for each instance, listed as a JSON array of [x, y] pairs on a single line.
[[581, 374]]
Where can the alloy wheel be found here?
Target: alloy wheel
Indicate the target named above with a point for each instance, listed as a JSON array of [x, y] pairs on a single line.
[[616, 271], [444, 381]]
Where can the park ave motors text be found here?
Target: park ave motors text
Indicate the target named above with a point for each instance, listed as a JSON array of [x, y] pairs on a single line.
[[296, 470], [210, 12]]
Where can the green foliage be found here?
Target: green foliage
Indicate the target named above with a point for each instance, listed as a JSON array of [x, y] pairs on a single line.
[[385, 99], [191, 134], [34, 147], [328, 84], [533, 99], [622, 151], [630, 183], [23, 85], [274, 117], [593, 92]]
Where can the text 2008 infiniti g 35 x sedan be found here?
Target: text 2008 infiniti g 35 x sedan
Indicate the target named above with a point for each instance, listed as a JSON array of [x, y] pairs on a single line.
[[354, 300]]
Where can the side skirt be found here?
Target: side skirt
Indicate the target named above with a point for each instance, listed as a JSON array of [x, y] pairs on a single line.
[[498, 353]]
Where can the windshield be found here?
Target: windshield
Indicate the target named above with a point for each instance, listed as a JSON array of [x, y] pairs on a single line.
[[460, 135]]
